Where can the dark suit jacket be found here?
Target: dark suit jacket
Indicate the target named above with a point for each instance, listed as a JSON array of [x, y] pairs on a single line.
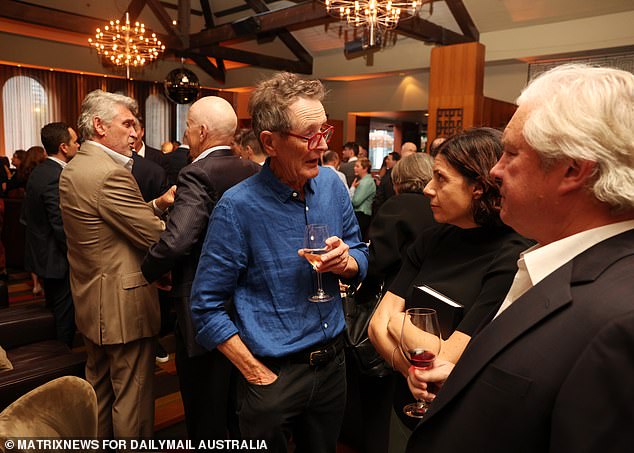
[[200, 185], [174, 162], [384, 191], [45, 245], [553, 373], [150, 177], [154, 155]]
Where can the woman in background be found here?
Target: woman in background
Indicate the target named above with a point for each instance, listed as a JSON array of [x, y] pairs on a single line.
[[34, 155], [362, 191]]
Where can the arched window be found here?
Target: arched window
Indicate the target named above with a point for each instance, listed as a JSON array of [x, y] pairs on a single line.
[[157, 121], [25, 107]]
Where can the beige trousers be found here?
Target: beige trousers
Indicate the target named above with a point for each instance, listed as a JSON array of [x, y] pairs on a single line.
[[123, 378]]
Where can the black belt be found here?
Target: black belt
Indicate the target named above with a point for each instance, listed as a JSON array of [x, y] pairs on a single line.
[[316, 355]]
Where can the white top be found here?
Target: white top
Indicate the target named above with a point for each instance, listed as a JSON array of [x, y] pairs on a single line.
[[341, 175], [538, 262], [141, 152], [59, 161], [124, 161], [208, 151]]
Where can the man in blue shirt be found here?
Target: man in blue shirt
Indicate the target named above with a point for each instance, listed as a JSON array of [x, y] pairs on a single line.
[[288, 350]]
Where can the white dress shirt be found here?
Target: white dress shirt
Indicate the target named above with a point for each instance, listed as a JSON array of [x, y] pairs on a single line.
[[538, 262]]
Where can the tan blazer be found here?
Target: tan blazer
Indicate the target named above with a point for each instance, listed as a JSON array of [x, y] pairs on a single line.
[[109, 228]]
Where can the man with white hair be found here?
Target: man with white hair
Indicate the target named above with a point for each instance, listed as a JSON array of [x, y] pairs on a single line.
[[554, 369], [203, 375], [108, 230]]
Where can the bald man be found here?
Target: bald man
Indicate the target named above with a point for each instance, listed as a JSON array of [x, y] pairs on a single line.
[[407, 149], [203, 375]]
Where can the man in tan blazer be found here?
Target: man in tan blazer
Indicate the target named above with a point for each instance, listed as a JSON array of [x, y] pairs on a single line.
[[109, 229]]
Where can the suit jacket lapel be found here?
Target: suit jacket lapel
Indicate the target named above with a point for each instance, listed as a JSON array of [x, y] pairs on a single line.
[[536, 304], [540, 302]]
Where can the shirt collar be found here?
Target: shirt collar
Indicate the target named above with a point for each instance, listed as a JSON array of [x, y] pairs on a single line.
[[120, 159], [541, 261], [59, 161], [208, 151], [282, 191], [141, 152]]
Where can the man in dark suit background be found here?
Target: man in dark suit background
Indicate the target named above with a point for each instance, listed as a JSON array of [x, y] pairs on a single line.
[[350, 154], [147, 152], [204, 375], [174, 162], [152, 181], [45, 252], [148, 173], [554, 370]]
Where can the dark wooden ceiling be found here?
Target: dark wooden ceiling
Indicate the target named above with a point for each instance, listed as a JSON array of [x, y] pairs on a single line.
[[208, 49]]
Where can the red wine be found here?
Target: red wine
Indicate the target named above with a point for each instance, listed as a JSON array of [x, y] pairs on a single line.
[[421, 358]]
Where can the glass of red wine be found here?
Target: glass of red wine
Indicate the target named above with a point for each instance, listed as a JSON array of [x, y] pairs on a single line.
[[314, 246], [420, 343]]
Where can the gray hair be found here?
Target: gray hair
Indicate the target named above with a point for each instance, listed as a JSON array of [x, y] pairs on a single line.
[[412, 173], [583, 112], [269, 101], [101, 104]]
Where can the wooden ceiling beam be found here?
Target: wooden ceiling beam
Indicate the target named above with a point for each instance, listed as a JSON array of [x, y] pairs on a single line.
[[47, 17], [463, 19], [293, 16], [209, 18], [162, 16], [203, 63], [260, 60], [285, 36], [425, 30], [134, 10]]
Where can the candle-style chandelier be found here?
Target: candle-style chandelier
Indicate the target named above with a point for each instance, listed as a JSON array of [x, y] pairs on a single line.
[[377, 16], [126, 44]]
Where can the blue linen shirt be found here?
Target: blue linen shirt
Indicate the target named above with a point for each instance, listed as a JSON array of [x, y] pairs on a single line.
[[250, 254]]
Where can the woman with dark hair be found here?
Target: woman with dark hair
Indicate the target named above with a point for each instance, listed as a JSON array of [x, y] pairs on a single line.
[[17, 184], [471, 259]]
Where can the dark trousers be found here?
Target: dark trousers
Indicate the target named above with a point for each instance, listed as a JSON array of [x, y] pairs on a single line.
[[305, 403], [60, 300], [205, 382], [366, 424]]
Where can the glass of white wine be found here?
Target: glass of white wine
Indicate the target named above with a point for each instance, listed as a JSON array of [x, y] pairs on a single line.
[[314, 246]]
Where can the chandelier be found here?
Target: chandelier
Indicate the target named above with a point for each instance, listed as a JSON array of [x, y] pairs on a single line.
[[126, 45], [378, 16]]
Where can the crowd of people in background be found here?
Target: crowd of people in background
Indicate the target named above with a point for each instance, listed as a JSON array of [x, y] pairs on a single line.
[[530, 229]]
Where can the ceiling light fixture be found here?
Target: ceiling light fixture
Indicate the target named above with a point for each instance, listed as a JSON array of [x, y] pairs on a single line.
[[377, 16], [126, 44]]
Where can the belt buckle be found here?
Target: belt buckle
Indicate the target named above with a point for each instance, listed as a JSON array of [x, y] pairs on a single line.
[[313, 358]]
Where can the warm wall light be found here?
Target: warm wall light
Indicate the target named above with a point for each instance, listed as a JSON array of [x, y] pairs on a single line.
[[126, 44], [378, 16]]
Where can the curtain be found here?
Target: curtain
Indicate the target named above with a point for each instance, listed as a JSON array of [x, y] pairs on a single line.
[[26, 107], [157, 120]]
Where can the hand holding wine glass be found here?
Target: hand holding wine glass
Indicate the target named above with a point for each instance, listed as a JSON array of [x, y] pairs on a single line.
[[314, 246], [420, 344]]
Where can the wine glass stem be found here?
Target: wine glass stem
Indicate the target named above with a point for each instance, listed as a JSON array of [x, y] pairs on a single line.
[[320, 291]]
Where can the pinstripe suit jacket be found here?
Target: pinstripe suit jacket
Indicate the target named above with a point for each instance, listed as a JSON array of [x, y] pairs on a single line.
[[199, 187], [108, 231]]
